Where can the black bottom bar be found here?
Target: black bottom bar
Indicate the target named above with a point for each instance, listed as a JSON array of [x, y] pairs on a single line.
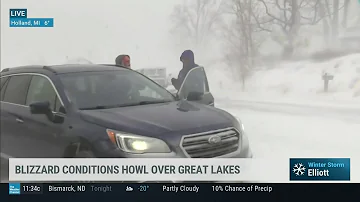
[[184, 192]]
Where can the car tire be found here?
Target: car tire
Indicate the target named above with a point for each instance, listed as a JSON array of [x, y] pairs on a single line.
[[85, 154]]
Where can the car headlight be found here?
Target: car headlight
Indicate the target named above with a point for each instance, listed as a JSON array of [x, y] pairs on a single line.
[[137, 144]]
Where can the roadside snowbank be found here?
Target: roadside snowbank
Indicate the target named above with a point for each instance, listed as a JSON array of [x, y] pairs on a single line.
[[298, 82]]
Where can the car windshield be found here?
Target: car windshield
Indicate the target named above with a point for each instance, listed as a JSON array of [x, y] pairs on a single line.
[[111, 89]]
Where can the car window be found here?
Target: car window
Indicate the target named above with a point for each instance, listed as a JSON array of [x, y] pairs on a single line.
[[3, 86], [16, 89], [41, 90], [109, 88], [147, 92], [58, 105], [80, 84]]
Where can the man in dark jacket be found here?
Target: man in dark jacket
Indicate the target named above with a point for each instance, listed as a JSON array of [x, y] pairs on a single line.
[[123, 60], [188, 60]]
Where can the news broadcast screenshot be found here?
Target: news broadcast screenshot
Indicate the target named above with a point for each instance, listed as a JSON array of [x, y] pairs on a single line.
[[180, 100]]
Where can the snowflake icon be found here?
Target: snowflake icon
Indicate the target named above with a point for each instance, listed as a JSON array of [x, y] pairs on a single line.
[[299, 169]]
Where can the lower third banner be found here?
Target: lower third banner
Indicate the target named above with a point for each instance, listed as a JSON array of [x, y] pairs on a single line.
[[181, 191], [183, 170]]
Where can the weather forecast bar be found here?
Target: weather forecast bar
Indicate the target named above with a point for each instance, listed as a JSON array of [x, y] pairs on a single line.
[[31, 22], [212, 191]]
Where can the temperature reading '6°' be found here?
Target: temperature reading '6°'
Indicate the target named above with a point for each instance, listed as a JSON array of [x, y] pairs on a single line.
[[217, 188]]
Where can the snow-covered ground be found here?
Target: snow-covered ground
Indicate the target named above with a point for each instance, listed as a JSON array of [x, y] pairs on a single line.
[[290, 131], [286, 114], [297, 82], [297, 131]]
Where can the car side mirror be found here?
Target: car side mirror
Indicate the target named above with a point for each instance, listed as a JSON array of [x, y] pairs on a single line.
[[44, 108], [57, 119], [194, 96], [40, 108]]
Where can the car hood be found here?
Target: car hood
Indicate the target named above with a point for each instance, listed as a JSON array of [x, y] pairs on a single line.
[[157, 120]]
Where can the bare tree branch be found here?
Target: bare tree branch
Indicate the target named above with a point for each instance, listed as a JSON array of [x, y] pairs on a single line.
[[271, 15], [329, 14], [194, 21]]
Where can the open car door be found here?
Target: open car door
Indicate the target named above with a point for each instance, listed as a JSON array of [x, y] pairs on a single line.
[[195, 87]]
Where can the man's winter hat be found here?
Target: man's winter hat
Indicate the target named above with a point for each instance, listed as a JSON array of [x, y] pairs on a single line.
[[188, 54]]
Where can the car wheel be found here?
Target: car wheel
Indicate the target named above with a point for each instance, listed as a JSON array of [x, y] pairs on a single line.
[[85, 154]]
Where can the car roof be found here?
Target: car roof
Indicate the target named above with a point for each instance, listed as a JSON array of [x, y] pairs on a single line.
[[63, 69], [73, 68]]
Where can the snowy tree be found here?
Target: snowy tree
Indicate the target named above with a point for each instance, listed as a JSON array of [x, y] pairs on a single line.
[[196, 22], [242, 35]]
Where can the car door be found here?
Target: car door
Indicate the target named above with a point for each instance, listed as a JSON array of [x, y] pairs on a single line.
[[46, 134], [4, 82], [196, 82], [14, 134]]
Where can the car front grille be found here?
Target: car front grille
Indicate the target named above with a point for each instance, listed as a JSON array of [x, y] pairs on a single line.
[[199, 146]]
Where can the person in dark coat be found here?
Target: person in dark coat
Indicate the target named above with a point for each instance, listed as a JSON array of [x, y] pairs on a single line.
[[188, 60], [123, 60]]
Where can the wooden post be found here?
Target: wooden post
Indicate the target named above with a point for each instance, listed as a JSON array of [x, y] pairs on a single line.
[[326, 77]]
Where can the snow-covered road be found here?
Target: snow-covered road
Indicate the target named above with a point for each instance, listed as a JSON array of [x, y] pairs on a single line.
[[289, 130]]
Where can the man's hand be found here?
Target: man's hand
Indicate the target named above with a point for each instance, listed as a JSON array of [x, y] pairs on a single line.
[[175, 83]]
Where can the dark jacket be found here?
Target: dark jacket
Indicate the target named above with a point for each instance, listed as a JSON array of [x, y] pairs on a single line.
[[183, 72]]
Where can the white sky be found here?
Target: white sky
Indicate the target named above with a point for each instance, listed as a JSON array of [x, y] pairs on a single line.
[[96, 30]]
